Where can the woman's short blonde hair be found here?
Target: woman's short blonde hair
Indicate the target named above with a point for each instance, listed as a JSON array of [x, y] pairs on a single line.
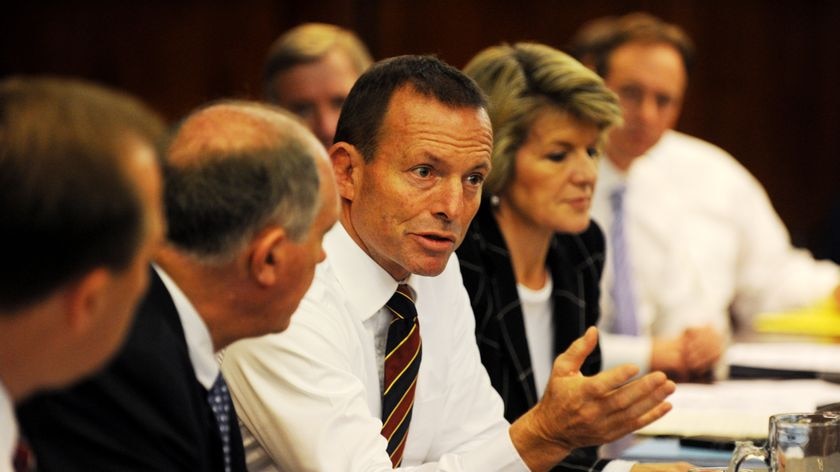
[[519, 81]]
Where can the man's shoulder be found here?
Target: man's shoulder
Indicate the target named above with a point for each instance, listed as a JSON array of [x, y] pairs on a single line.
[[157, 332], [148, 390], [326, 309], [692, 156], [682, 144], [687, 149]]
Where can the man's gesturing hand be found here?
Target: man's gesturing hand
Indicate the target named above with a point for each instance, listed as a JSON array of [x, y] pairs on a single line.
[[578, 411]]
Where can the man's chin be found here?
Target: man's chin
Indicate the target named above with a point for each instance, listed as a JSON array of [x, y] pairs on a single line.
[[429, 267]]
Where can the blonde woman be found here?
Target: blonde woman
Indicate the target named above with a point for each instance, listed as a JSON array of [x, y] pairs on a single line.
[[532, 259]]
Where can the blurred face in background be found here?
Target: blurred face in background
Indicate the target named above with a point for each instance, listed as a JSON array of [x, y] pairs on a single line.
[[650, 81], [316, 91]]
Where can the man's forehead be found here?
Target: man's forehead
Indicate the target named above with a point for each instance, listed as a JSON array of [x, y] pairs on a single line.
[[657, 65], [331, 73], [407, 103]]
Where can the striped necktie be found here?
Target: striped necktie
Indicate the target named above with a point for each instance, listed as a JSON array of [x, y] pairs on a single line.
[[402, 362], [624, 300]]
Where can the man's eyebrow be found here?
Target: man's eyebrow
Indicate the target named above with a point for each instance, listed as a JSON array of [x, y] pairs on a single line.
[[484, 164]]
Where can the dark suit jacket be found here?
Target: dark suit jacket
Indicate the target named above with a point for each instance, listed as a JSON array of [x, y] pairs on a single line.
[[576, 263], [145, 412]]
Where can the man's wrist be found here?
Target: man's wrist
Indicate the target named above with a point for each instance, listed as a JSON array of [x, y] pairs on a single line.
[[536, 448]]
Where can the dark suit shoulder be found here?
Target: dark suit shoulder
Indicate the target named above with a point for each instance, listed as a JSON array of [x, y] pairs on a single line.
[[144, 411]]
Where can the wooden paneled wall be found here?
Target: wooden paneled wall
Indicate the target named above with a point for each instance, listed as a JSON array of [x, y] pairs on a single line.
[[766, 85]]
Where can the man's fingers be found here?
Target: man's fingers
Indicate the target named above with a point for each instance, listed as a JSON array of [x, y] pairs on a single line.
[[652, 415], [607, 381], [701, 361], [702, 353], [571, 360], [645, 393], [645, 386]]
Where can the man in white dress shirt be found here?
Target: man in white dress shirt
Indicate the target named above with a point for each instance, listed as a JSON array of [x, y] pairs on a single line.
[[703, 239], [412, 150], [81, 215]]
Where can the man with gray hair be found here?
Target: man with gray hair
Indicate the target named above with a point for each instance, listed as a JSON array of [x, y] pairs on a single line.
[[246, 218], [310, 69]]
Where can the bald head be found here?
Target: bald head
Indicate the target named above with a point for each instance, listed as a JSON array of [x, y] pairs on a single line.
[[233, 168]]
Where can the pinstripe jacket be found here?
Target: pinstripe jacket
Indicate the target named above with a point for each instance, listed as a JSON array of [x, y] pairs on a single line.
[[575, 262]]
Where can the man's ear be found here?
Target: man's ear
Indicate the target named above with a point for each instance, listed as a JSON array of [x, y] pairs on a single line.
[[347, 165], [267, 255], [86, 298]]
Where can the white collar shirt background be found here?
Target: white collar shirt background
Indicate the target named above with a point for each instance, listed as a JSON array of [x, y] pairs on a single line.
[[704, 237], [8, 430]]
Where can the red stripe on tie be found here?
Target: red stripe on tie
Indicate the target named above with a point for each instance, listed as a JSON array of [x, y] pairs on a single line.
[[403, 352], [398, 414]]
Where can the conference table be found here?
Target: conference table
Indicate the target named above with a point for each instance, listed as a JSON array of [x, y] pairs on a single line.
[[789, 368]]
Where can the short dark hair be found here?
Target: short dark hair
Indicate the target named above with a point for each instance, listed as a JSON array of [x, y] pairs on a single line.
[[67, 202], [246, 166], [364, 110], [595, 41]]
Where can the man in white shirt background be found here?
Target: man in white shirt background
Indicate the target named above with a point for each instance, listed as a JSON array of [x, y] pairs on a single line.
[[412, 150], [81, 215], [702, 237]]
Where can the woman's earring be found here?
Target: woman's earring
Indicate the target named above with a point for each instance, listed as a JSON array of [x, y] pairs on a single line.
[[494, 201]]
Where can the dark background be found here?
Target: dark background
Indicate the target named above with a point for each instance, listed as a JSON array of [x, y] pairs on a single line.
[[765, 84]]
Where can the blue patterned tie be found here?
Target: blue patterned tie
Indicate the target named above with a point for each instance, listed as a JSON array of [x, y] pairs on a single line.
[[624, 300], [219, 399]]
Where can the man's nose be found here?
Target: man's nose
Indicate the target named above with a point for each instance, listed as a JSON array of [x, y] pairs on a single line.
[[449, 200]]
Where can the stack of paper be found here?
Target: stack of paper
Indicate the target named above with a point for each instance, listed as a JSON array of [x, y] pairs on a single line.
[[784, 360], [738, 409]]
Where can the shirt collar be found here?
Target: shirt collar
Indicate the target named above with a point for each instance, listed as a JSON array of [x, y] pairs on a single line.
[[610, 176], [8, 427], [199, 342], [367, 285]]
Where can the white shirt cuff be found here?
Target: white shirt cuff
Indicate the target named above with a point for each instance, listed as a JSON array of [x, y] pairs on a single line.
[[619, 466]]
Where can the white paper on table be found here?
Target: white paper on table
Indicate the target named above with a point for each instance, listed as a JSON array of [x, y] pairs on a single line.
[[806, 357], [738, 409]]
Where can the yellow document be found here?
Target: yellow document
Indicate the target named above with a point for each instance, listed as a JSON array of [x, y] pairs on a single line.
[[821, 319]]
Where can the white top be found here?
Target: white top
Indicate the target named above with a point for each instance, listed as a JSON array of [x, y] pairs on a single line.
[[199, 342], [539, 329], [704, 238], [8, 430], [310, 398], [539, 325]]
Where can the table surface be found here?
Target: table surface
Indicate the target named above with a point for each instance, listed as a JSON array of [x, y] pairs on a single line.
[[670, 450]]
